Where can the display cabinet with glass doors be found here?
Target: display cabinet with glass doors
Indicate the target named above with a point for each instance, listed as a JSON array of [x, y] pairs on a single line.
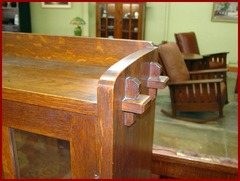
[[120, 20]]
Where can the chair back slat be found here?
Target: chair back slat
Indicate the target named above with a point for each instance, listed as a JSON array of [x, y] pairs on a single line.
[[187, 42]]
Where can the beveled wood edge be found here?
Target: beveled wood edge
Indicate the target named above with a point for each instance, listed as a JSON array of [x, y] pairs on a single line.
[[215, 166], [97, 49], [81, 37], [105, 99], [115, 70], [45, 100]]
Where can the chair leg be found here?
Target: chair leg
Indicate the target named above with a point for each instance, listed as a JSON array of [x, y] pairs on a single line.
[[221, 113]]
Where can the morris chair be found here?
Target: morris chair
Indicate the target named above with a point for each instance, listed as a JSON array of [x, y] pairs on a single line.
[[187, 43], [195, 91]]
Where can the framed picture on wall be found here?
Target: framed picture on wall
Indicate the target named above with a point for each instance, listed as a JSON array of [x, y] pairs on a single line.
[[225, 12], [56, 4]]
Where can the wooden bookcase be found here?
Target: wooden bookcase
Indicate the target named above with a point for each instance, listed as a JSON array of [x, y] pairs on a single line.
[[97, 98], [120, 20]]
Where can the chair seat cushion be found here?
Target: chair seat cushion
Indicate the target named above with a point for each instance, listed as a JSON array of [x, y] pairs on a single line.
[[173, 62]]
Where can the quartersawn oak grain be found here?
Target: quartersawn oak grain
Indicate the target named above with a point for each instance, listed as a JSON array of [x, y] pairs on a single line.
[[72, 88]]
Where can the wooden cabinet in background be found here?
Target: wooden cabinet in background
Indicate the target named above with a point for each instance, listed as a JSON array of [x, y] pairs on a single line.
[[120, 20], [16, 17]]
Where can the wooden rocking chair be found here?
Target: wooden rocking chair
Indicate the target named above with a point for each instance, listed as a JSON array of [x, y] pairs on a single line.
[[195, 91], [187, 43]]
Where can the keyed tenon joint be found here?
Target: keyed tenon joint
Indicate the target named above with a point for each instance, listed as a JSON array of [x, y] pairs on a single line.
[[134, 102], [155, 81]]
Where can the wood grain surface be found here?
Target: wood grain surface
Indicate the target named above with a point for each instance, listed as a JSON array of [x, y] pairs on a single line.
[[72, 88]]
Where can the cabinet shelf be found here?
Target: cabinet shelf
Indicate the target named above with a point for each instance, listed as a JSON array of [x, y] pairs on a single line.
[[126, 31], [107, 18], [130, 18]]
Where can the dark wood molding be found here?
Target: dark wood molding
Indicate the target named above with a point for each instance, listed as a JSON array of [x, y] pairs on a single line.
[[171, 163]]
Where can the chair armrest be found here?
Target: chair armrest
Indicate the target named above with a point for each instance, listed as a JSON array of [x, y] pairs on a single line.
[[209, 74], [206, 71], [203, 81], [215, 54], [216, 60]]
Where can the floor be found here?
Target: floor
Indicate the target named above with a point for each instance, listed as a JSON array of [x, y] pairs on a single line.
[[51, 157], [219, 138]]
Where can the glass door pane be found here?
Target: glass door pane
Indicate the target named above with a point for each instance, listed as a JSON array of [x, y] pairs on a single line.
[[107, 20], [126, 20], [110, 20], [135, 21], [130, 21], [103, 19], [41, 156]]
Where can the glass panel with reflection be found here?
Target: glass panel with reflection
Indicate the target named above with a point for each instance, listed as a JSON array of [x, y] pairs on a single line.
[[41, 156]]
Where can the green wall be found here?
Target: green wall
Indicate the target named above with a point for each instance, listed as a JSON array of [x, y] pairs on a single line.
[[56, 21], [212, 36], [163, 19]]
